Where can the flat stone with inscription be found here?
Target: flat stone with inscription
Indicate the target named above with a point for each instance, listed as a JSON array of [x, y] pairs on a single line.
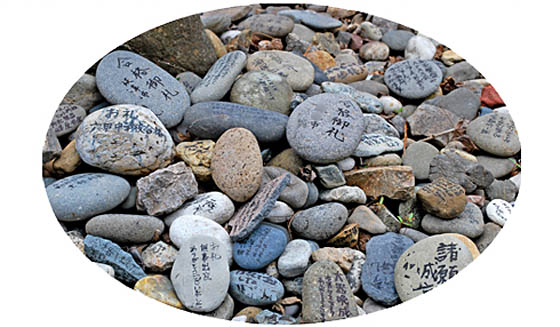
[[442, 198], [212, 205], [124, 77], [368, 103], [413, 79], [382, 253], [428, 120], [376, 144], [457, 169], [378, 125], [254, 288], [295, 258], [495, 133], [264, 245], [499, 211], [124, 139], [469, 223], [395, 182], [100, 250], [273, 25], [189, 79], [298, 71], [79, 197], [326, 294], [429, 263], [200, 274], [263, 90], [125, 228], [320, 222], [247, 218], [211, 119], [347, 73], [159, 256], [325, 128], [67, 118], [219, 79], [159, 288]]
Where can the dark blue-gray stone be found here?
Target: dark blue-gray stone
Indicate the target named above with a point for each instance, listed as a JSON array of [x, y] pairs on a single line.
[[254, 288], [382, 254], [413, 79], [79, 197], [124, 77], [397, 39], [311, 19], [104, 251], [211, 119], [263, 246]]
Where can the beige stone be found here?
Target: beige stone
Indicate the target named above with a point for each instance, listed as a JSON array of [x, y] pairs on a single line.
[[216, 43], [395, 182], [198, 155]]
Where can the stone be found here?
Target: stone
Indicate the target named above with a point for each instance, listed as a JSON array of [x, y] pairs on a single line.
[[376, 144], [370, 306], [468, 243], [490, 98], [104, 251], [370, 31], [198, 156], [320, 222], [311, 19], [124, 77], [461, 101], [314, 129], [337, 255], [442, 198], [287, 159], [469, 223], [294, 286], [389, 159], [295, 258], [159, 288], [187, 226], [67, 161], [449, 57], [495, 133], [460, 170], [235, 13], [516, 180], [428, 120], [51, 148], [371, 87], [267, 317], [280, 213], [347, 73], [295, 190], [462, 71], [212, 119], [397, 40], [178, 46], [159, 257], [83, 93], [217, 44], [67, 118], [344, 194], [190, 80], [374, 50], [387, 217], [413, 79], [499, 167], [124, 139], [382, 253], [367, 220], [347, 237], [263, 246], [346, 58], [297, 46], [303, 32], [106, 268], [166, 189], [200, 274], [312, 196], [77, 239], [505, 190], [444, 253], [263, 90], [419, 47], [219, 79], [330, 176], [224, 311], [79, 197], [218, 23], [247, 218], [319, 294], [499, 211], [390, 104], [326, 41], [125, 228], [250, 313], [130, 201], [254, 288], [297, 71], [215, 206], [415, 235], [237, 165], [376, 124], [395, 182], [490, 232], [321, 58], [418, 156], [272, 270], [273, 25], [366, 101], [346, 164]]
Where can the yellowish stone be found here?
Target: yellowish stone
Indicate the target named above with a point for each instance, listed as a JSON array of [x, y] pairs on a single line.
[[68, 161], [216, 43], [347, 237], [336, 255], [449, 57], [250, 313], [159, 288], [469, 244], [198, 155]]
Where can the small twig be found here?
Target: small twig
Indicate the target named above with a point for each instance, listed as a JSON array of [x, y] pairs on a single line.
[[405, 138], [438, 134]]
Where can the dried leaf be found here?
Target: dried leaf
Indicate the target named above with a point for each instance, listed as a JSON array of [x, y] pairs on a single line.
[[289, 300], [448, 84], [278, 307], [439, 52]]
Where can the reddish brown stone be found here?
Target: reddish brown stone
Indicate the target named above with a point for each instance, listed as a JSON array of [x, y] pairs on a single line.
[[443, 198], [490, 98], [321, 58], [395, 182], [356, 42]]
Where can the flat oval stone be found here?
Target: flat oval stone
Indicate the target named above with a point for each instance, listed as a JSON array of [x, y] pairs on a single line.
[[397, 39], [499, 211], [254, 288], [499, 167], [325, 128], [413, 79], [344, 194], [273, 25], [375, 124], [189, 79], [264, 245], [263, 90], [382, 253], [347, 73], [428, 263], [67, 118], [125, 228], [200, 274], [219, 79], [320, 222], [79, 197], [298, 71], [212, 205], [211, 119], [376, 144], [326, 294], [442, 198], [225, 310], [469, 223], [418, 155], [159, 288], [495, 133], [295, 258], [125, 77], [124, 139], [311, 19]]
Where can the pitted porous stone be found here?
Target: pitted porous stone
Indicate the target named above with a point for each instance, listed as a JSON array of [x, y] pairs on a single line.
[[298, 71], [413, 79], [198, 155], [124, 139], [159, 256], [325, 128]]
